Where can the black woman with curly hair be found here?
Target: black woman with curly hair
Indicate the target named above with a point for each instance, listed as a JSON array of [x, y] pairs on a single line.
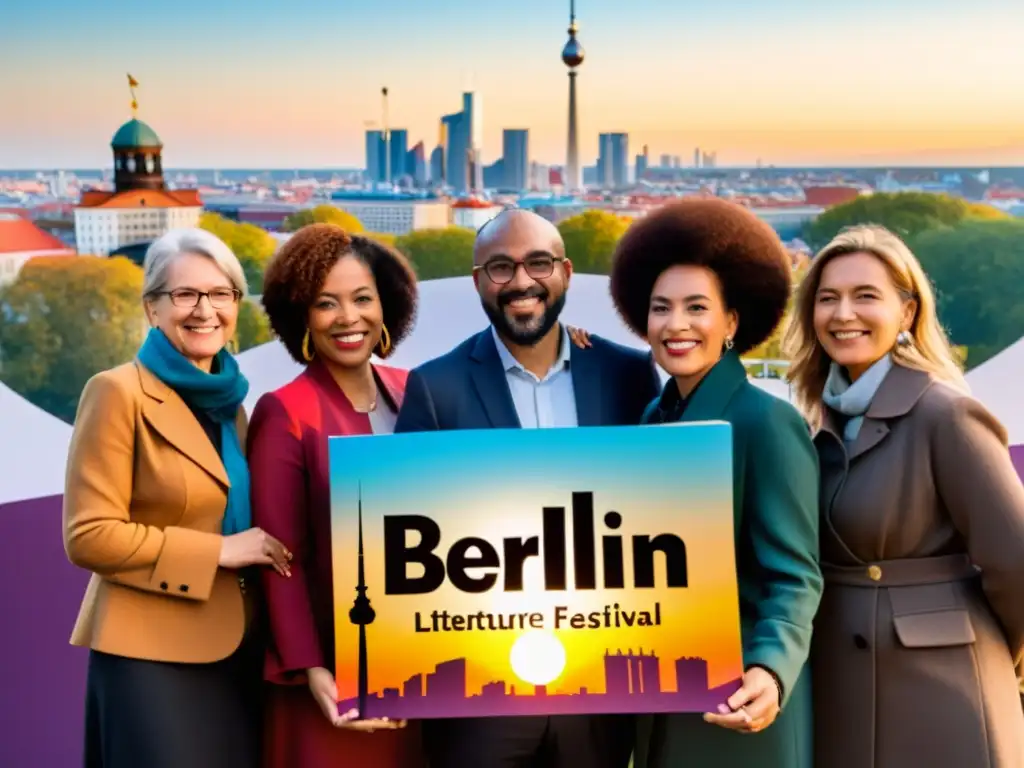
[[334, 301], [704, 281]]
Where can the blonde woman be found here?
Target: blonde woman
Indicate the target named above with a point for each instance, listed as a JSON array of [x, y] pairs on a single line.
[[922, 537]]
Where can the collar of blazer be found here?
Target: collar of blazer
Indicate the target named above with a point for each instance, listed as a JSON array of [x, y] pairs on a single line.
[[168, 414]]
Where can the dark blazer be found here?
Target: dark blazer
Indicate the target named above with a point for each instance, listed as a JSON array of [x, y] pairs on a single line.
[[467, 388], [775, 503]]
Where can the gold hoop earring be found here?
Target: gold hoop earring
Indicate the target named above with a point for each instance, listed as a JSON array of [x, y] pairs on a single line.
[[385, 341], [307, 353]]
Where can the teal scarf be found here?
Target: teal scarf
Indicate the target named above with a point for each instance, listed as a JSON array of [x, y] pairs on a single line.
[[853, 400], [218, 396]]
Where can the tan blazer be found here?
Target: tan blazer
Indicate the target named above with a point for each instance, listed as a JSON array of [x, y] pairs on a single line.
[[143, 502]]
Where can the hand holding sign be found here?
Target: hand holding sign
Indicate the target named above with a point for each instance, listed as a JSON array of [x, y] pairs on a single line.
[[325, 693], [753, 707]]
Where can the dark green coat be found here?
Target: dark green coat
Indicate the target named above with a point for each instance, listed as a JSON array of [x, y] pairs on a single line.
[[775, 490]]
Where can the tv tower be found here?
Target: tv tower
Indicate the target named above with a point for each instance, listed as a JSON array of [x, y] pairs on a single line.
[[572, 56], [362, 613]]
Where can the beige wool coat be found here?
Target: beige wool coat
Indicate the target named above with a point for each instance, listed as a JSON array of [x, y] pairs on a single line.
[[922, 620]]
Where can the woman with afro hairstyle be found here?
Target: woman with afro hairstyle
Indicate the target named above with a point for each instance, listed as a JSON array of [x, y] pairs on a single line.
[[704, 281], [334, 300]]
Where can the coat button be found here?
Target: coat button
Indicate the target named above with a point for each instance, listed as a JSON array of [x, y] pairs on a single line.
[[163, 585], [860, 642], [183, 587], [874, 573]]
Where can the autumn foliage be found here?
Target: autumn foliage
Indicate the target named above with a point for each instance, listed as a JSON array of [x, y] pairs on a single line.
[[65, 319]]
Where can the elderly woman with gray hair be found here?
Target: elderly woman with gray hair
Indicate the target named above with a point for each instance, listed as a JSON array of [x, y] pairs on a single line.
[[156, 506]]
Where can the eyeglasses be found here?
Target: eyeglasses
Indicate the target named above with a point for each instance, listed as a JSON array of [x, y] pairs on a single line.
[[188, 298], [501, 271]]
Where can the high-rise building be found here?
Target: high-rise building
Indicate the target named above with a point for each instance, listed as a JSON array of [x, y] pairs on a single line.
[[455, 175], [642, 163], [472, 105], [515, 155], [540, 177], [437, 165], [613, 160], [604, 156], [375, 156], [399, 141], [572, 57], [463, 132], [416, 164], [494, 175]]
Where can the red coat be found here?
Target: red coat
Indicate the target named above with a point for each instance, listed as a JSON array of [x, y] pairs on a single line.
[[289, 468]]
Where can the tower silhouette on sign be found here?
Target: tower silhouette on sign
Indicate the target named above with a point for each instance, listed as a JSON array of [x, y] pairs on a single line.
[[361, 614]]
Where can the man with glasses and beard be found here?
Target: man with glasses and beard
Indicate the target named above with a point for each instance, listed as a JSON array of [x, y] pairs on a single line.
[[523, 371]]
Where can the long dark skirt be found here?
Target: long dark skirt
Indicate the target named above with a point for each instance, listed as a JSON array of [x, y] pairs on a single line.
[[160, 715]]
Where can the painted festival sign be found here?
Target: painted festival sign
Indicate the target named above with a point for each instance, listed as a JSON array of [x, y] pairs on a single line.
[[555, 571]]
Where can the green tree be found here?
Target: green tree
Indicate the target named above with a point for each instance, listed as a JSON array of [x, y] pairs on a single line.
[[323, 214], [251, 244], [771, 348], [905, 213], [253, 326], [438, 253], [977, 269], [65, 319], [590, 239]]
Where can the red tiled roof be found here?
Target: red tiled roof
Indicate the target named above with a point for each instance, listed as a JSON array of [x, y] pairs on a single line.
[[1004, 194], [141, 198], [828, 196], [473, 203], [19, 235]]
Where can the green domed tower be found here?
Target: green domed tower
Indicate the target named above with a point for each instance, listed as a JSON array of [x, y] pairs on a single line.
[[137, 157]]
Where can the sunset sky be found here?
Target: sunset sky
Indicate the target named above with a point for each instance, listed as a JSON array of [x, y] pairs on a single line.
[[270, 84], [494, 485]]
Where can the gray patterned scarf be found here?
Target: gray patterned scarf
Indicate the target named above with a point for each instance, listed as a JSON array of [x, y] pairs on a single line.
[[853, 400]]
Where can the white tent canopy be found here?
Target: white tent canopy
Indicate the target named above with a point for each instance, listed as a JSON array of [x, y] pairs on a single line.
[[33, 449], [997, 384], [449, 311], [34, 444]]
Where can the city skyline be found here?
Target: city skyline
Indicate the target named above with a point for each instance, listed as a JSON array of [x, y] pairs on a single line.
[[755, 82], [633, 683]]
